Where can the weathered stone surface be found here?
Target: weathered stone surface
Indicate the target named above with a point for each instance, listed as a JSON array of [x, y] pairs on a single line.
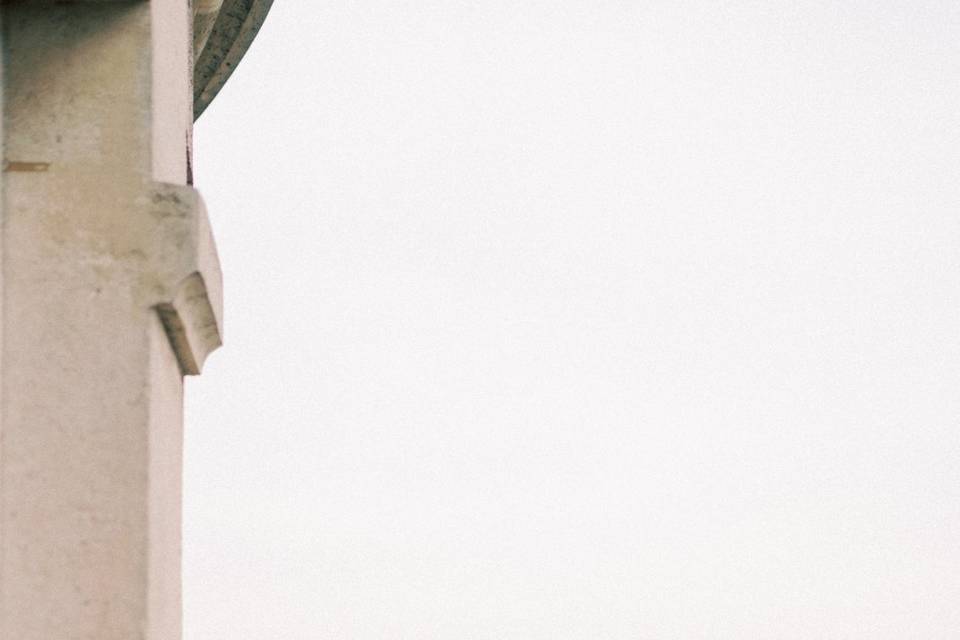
[[223, 31], [204, 16], [109, 293], [186, 273]]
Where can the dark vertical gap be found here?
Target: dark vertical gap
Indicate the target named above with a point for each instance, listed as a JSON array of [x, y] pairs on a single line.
[[189, 162]]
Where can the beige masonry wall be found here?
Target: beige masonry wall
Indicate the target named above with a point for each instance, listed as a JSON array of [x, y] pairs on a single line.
[[110, 292]]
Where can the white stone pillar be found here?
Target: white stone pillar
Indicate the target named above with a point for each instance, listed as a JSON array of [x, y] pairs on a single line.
[[110, 292]]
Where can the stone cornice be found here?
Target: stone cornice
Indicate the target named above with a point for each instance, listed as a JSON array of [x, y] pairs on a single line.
[[223, 30]]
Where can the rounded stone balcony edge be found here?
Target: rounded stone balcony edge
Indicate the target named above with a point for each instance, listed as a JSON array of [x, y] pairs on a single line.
[[223, 31]]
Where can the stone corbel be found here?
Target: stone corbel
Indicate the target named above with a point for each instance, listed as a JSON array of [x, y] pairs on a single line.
[[186, 285]]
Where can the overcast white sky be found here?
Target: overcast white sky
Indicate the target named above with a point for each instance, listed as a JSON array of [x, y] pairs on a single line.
[[573, 320]]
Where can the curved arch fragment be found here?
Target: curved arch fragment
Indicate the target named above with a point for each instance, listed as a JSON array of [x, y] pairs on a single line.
[[223, 31]]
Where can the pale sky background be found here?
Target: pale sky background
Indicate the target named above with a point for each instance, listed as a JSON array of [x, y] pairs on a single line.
[[583, 320]]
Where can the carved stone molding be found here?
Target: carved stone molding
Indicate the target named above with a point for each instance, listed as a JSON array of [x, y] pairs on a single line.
[[185, 283], [223, 31]]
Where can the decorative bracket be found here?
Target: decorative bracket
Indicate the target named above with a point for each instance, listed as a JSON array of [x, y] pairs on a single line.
[[186, 285]]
